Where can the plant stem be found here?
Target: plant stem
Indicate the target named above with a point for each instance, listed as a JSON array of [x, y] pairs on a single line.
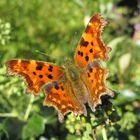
[[29, 108], [104, 134], [8, 115], [94, 134]]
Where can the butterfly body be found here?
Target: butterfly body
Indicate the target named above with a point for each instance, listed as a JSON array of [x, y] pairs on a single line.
[[73, 74], [68, 89]]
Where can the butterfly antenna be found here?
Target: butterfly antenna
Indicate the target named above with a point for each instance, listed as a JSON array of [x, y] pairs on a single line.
[[73, 42], [74, 39], [42, 53]]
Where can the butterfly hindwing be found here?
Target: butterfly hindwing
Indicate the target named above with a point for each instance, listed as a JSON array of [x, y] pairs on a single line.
[[91, 46], [94, 79], [61, 97], [35, 73]]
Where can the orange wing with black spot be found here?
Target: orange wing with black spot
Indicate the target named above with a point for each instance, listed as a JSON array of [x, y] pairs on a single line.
[[62, 98], [35, 73], [91, 46], [94, 79]]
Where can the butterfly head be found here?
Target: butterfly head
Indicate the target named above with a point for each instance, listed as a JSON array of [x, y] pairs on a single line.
[[67, 62]]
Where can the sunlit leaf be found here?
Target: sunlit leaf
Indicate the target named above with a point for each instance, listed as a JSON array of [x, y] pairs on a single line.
[[34, 127]]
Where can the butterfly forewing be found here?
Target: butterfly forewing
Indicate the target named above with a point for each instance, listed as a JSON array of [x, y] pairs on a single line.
[[35, 73], [91, 46]]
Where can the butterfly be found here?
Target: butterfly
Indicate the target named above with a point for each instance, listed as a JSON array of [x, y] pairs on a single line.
[[69, 88]]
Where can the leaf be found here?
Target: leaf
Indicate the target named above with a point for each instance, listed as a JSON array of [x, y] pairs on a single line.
[[128, 121], [3, 131], [124, 62], [113, 44], [34, 127]]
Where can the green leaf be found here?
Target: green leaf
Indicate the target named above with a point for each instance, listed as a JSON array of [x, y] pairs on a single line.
[[113, 44], [3, 131], [124, 62], [34, 127]]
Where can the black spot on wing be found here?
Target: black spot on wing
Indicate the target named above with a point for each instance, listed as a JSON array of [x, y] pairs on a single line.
[[56, 86], [39, 65], [91, 50], [86, 58], [40, 76], [80, 53], [88, 75], [83, 42], [50, 66], [62, 87], [34, 73], [92, 43], [50, 70], [50, 76]]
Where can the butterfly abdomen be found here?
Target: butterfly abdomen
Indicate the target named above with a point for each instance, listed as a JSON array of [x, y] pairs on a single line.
[[78, 87]]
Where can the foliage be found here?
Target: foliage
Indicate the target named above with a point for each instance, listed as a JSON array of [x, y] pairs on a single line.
[[54, 27]]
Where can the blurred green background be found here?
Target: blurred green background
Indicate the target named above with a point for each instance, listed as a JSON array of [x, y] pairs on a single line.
[[54, 27]]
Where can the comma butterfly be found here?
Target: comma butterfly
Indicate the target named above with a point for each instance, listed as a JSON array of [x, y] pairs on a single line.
[[68, 89]]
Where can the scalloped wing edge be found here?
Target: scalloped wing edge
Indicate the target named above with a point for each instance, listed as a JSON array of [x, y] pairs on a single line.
[[60, 114], [109, 92], [10, 72], [104, 23]]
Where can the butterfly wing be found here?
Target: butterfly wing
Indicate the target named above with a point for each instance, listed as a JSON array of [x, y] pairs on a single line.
[[35, 73], [91, 46], [94, 79], [62, 98]]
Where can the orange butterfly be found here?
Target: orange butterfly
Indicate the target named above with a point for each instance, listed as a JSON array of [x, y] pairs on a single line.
[[68, 89]]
